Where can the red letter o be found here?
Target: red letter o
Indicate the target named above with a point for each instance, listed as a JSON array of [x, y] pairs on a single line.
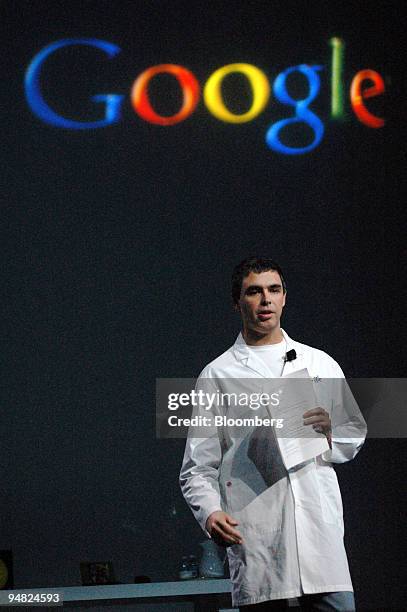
[[190, 91]]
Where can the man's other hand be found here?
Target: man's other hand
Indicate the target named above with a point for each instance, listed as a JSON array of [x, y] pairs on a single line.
[[220, 526], [320, 421]]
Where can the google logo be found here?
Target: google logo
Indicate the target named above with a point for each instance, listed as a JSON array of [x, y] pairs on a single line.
[[365, 84]]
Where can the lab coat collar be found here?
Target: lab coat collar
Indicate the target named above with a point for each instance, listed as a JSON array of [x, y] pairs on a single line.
[[243, 354]]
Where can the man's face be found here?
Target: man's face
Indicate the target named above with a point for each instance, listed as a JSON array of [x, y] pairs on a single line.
[[261, 302]]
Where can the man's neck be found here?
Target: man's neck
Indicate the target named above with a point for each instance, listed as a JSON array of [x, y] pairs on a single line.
[[255, 339]]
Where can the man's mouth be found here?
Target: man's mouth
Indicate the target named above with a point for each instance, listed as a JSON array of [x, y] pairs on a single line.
[[264, 315]]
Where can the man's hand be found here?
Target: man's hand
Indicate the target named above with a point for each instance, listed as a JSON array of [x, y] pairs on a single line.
[[221, 528], [320, 421]]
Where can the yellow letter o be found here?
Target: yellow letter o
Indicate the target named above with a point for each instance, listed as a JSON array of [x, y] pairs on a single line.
[[212, 92]]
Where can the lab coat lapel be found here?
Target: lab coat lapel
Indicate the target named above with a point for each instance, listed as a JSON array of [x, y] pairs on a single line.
[[248, 359]]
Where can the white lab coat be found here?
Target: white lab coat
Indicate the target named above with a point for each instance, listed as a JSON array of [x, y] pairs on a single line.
[[291, 521]]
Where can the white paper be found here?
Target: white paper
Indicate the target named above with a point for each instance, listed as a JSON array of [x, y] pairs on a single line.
[[298, 442]]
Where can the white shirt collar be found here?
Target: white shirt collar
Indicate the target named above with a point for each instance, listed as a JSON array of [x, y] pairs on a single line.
[[242, 349]]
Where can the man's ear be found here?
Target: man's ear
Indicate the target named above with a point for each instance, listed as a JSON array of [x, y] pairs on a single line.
[[285, 297], [236, 306]]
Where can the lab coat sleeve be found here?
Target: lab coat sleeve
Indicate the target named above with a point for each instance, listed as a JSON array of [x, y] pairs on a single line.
[[199, 476], [348, 425]]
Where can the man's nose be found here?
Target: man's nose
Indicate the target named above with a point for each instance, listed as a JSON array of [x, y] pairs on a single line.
[[266, 298]]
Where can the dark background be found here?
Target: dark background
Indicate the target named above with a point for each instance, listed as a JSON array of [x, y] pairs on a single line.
[[118, 246]]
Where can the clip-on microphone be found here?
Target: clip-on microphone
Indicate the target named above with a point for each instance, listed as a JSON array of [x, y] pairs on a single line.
[[290, 356]]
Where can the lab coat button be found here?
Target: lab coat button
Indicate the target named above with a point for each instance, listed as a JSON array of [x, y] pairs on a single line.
[[228, 484]]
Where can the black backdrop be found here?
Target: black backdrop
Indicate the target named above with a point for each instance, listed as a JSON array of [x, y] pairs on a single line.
[[118, 245]]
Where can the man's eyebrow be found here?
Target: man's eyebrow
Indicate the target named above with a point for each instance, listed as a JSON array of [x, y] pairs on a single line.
[[273, 286]]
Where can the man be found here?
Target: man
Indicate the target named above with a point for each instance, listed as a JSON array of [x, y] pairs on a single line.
[[283, 527]]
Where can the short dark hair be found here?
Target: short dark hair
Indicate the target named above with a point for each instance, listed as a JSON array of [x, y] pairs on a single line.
[[253, 264]]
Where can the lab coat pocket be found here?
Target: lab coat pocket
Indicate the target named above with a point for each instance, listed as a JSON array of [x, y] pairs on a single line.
[[253, 563], [330, 496]]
